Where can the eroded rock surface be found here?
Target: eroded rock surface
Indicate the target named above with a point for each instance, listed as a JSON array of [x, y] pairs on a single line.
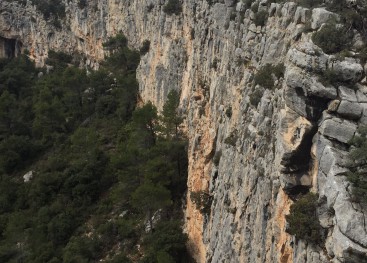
[[295, 139]]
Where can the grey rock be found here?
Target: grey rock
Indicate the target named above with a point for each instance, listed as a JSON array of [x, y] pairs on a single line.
[[350, 110], [321, 16], [338, 129], [289, 181], [324, 213], [331, 161], [310, 86], [347, 70], [363, 119], [307, 56], [361, 95], [348, 219], [240, 7], [246, 223], [347, 94], [28, 176]]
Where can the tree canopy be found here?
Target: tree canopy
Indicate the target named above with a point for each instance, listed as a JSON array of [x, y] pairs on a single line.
[[101, 166]]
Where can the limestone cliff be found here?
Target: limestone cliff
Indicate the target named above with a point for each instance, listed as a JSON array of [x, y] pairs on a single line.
[[292, 138]]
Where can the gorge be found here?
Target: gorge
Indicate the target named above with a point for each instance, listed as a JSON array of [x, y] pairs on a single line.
[[253, 147]]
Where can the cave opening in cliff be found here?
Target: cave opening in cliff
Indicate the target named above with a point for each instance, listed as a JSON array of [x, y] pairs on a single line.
[[10, 48], [315, 107], [300, 160], [297, 191], [298, 164]]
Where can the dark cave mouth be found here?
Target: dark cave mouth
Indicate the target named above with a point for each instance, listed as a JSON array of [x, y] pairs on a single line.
[[299, 164], [10, 48], [297, 191]]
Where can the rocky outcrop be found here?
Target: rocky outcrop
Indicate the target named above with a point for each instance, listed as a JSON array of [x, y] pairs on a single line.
[[293, 141]]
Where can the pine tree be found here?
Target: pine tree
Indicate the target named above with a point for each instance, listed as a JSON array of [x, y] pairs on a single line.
[[171, 120]]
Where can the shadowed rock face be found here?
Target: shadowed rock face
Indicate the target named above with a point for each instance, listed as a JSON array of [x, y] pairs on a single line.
[[9, 48], [294, 140]]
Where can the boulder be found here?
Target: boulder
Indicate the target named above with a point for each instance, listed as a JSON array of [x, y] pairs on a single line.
[[347, 94], [28, 176], [306, 56], [347, 70], [349, 220], [338, 129], [350, 110], [321, 16], [332, 160], [317, 89], [297, 79]]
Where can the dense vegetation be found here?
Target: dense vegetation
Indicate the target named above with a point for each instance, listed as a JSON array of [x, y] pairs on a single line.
[[50, 8], [332, 38], [267, 74], [173, 7], [303, 221], [108, 179]]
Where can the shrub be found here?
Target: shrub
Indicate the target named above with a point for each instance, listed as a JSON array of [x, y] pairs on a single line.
[[278, 70], [166, 244], [173, 7], [302, 219], [117, 42], [332, 38], [82, 4], [260, 18], [233, 15], [202, 201], [105, 105], [145, 47], [254, 7], [150, 7], [232, 138], [264, 76], [216, 158], [331, 77], [58, 59], [50, 8], [229, 112], [255, 98], [214, 64]]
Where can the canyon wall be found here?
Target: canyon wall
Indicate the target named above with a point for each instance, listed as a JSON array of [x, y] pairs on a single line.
[[251, 149]]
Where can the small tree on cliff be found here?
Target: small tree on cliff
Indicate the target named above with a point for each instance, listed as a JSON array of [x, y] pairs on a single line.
[[170, 118], [302, 219]]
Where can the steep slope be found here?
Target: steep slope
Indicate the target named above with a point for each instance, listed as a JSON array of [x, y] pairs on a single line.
[[269, 145]]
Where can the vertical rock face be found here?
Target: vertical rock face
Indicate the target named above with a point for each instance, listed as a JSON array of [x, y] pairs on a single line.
[[250, 157]]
